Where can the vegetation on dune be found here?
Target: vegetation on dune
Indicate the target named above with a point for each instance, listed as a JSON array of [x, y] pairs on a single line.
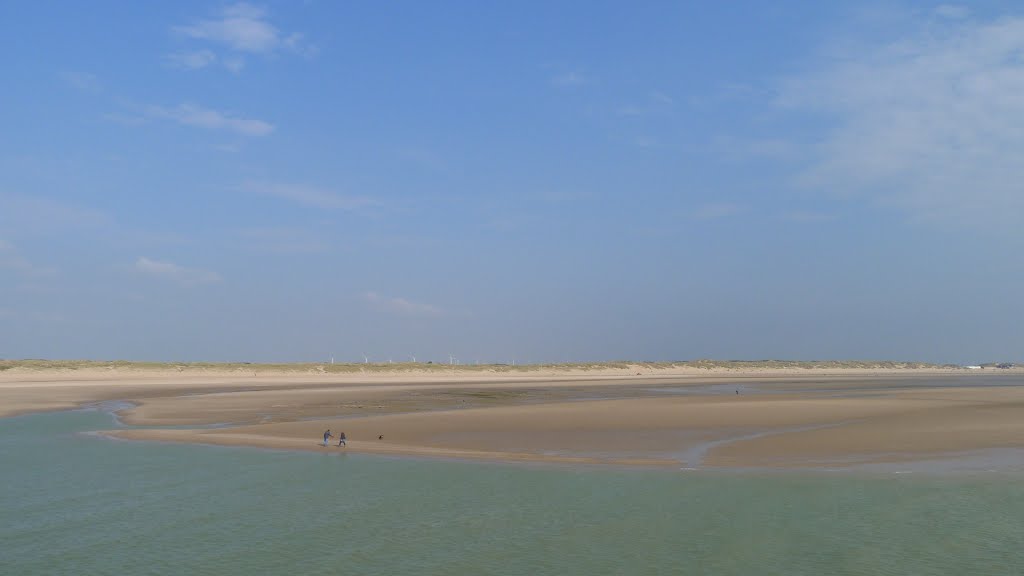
[[357, 368]]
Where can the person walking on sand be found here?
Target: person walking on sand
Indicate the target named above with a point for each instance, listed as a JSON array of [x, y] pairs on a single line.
[[327, 436], [341, 439]]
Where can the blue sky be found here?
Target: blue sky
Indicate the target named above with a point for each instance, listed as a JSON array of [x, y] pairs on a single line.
[[530, 182]]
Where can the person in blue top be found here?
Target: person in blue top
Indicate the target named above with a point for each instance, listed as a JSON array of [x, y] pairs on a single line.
[[327, 436]]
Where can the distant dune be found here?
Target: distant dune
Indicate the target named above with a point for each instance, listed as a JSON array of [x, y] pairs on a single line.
[[695, 413], [432, 367]]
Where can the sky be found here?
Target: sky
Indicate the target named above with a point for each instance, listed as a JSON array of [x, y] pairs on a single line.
[[512, 182]]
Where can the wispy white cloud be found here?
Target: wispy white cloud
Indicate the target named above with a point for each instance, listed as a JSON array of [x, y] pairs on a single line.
[[82, 81], [193, 115], [233, 64], [13, 261], [424, 158], [952, 11], [715, 211], [656, 102], [401, 306], [662, 98], [310, 196], [175, 273], [569, 79], [932, 123], [125, 118], [807, 216], [38, 214], [740, 91], [244, 29], [282, 240], [191, 60], [768, 148], [744, 149]]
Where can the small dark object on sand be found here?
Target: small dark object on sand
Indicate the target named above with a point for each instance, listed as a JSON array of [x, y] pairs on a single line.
[[381, 437]]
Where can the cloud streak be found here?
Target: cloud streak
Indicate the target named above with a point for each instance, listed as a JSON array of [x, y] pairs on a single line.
[[178, 274], [191, 60], [38, 214], [12, 260], [807, 216], [657, 102], [952, 11], [401, 306], [283, 240], [569, 79], [241, 29], [310, 196], [83, 81], [197, 116], [932, 123], [717, 211]]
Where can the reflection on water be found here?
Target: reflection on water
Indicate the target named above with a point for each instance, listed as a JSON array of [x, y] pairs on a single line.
[[78, 504]]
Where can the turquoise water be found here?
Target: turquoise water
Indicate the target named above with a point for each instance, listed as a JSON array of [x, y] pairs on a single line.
[[74, 503]]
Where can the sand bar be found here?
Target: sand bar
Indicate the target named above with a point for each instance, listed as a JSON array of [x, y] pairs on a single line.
[[810, 418]]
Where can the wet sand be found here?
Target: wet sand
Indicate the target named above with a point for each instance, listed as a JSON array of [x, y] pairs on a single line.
[[784, 419]]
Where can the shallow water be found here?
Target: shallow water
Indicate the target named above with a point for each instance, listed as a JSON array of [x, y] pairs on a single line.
[[74, 503]]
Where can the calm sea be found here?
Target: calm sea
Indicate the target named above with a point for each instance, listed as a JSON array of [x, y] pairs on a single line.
[[73, 503]]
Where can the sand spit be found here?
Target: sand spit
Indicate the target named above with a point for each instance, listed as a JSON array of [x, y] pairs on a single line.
[[665, 415]]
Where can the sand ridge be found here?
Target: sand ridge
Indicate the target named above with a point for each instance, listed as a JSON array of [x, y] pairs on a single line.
[[782, 418]]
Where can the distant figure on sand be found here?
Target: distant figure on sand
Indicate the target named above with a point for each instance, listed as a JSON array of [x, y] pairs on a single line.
[[341, 439], [381, 437], [327, 436]]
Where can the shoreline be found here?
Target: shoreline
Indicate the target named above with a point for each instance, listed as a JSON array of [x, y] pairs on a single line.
[[71, 388], [783, 419], [980, 460]]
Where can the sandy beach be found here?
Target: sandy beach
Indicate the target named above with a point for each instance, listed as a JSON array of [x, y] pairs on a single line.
[[632, 414]]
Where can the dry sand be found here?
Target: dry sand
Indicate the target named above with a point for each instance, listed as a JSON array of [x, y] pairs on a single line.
[[670, 416]]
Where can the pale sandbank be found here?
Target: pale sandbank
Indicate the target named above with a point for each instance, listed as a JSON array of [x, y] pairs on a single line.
[[782, 417]]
